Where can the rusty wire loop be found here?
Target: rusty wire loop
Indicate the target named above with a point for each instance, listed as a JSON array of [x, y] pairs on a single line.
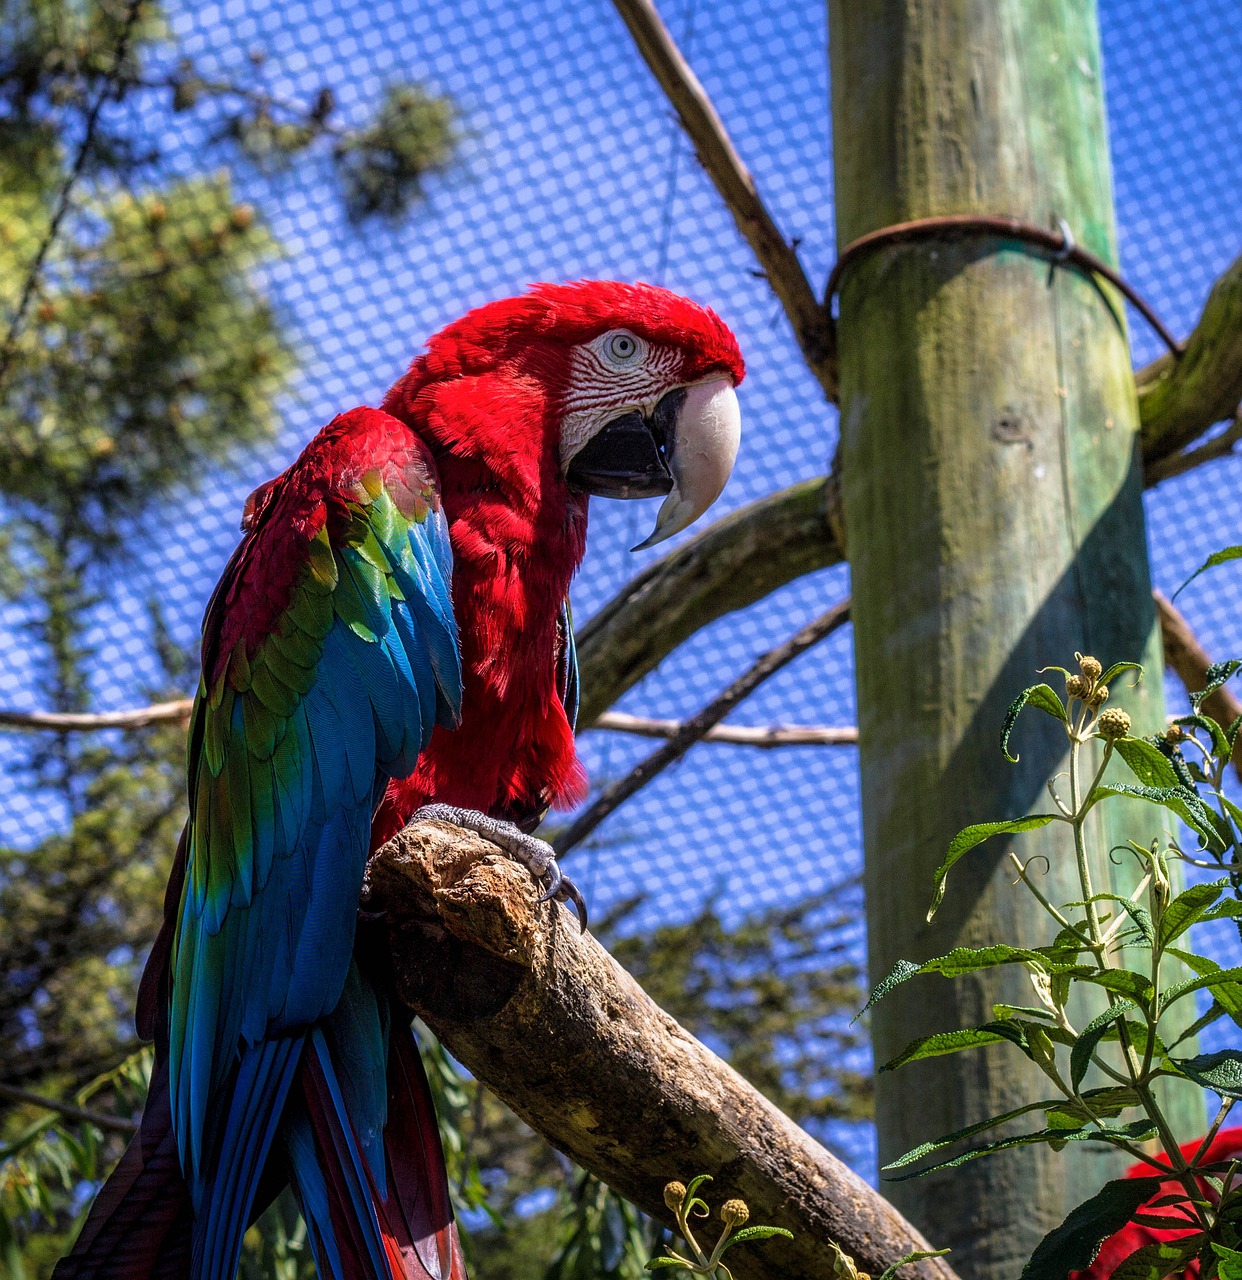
[[1060, 244]]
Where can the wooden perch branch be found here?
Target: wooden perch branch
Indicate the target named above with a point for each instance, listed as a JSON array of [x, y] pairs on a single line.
[[1179, 399], [777, 735], [1190, 660], [59, 722], [548, 1021], [777, 258], [80, 1115]]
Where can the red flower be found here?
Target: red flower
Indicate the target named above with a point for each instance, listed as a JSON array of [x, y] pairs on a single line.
[[1117, 1248]]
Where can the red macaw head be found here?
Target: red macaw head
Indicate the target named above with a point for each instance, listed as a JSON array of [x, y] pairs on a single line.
[[627, 389]]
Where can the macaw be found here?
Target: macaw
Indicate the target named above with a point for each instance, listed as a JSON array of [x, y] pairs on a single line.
[[390, 638]]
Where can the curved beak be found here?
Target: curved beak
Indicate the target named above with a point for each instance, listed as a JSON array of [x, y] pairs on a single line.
[[685, 448], [702, 451]]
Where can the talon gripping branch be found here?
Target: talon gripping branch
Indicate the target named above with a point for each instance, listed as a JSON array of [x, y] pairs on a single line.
[[391, 633]]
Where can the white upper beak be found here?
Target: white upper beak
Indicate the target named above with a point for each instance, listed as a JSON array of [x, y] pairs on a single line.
[[704, 447]]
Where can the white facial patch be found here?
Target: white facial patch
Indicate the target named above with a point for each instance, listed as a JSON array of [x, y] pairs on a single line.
[[609, 376]]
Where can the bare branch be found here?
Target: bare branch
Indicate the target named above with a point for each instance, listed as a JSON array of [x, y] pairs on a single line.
[[693, 729], [1190, 660], [1175, 464], [62, 722], [99, 1119], [1180, 398], [783, 735], [548, 1021], [741, 558], [811, 321]]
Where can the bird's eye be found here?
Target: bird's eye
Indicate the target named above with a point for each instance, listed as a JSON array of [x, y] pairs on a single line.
[[622, 347]]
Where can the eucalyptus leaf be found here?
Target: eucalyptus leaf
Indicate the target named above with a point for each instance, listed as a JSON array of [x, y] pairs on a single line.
[[1075, 1244], [1042, 696], [969, 837]]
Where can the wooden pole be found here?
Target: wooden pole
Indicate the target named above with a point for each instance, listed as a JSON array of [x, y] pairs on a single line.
[[992, 501]]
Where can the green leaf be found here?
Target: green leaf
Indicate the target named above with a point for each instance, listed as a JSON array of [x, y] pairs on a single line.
[[966, 840], [980, 1126], [970, 959], [1217, 557], [1075, 1244], [1155, 1261], [1221, 1072], [1228, 1262], [758, 1233], [1135, 986], [919, 1255], [1230, 909], [1222, 983], [1136, 1131], [1147, 762], [1220, 742], [1117, 668], [1214, 677], [1090, 1037], [946, 1042], [1038, 695], [1188, 907], [900, 972], [656, 1263], [1181, 800], [1107, 1102]]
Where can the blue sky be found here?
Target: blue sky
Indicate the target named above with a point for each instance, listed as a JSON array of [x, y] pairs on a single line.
[[574, 167]]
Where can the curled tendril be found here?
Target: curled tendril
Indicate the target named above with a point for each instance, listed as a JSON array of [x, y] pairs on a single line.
[[1023, 867]]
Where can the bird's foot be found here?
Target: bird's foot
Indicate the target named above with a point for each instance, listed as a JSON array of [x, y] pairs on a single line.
[[537, 856]]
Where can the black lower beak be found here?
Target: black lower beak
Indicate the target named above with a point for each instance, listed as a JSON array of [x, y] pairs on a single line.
[[629, 458]]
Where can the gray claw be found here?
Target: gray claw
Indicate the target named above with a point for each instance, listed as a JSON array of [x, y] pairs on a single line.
[[555, 879]]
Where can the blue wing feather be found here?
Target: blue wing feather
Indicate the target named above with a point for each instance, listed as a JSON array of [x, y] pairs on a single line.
[[287, 758]]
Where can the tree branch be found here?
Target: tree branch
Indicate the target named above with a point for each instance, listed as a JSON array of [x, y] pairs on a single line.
[[741, 558], [811, 322], [777, 735], [548, 1021], [1180, 398], [1190, 660], [1176, 464], [59, 722], [99, 1119], [693, 729]]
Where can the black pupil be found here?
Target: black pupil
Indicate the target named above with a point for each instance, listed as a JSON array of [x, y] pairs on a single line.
[[623, 346]]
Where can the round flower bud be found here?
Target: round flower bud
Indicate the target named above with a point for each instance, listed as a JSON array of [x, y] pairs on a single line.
[[1098, 697], [1090, 668], [735, 1212], [242, 216], [1076, 687], [1174, 734], [1113, 723], [674, 1194]]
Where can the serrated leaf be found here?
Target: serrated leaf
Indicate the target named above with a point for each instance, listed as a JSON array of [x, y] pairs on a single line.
[[656, 1263], [1221, 1072], [1107, 1102], [944, 1042], [919, 1255], [1228, 1262], [1219, 982], [758, 1233], [1213, 678], [1157, 1260], [1075, 1244], [1223, 556], [1134, 986], [1136, 1131], [969, 837], [1220, 742], [1230, 909], [1147, 762], [980, 1126], [1089, 1039], [1188, 907], [1180, 800], [1042, 696], [901, 972], [971, 959]]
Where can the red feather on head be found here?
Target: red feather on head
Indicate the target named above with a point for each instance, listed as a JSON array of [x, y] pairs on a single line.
[[487, 396]]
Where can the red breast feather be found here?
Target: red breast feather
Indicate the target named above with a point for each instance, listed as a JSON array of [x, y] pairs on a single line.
[[486, 397]]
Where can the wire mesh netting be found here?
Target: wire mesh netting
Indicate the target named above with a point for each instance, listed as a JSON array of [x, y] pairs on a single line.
[[569, 164]]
